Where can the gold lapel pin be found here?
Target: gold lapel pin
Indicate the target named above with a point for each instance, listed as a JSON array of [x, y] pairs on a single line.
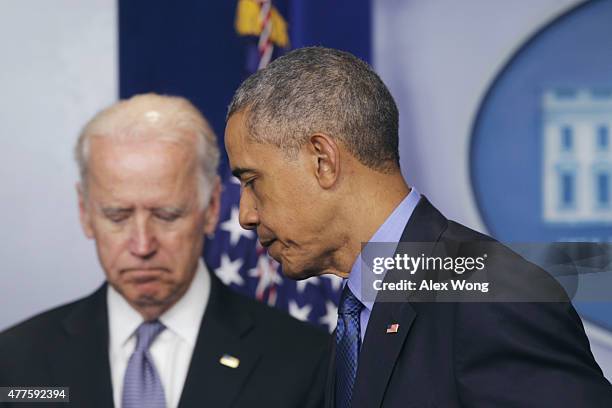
[[229, 361], [392, 328]]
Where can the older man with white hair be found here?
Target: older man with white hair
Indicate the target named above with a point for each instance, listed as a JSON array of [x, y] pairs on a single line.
[[162, 331]]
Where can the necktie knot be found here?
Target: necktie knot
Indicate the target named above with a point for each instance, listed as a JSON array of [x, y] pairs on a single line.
[[146, 334], [349, 304]]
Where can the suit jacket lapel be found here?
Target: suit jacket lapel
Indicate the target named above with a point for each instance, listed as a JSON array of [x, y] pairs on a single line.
[[380, 350], [223, 328], [83, 359]]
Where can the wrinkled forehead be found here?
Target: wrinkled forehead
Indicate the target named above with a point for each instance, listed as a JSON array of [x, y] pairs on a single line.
[[149, 155], [149, 124], [136, 172]]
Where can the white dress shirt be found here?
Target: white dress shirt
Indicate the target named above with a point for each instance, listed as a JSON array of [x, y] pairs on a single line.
[[171, 350]]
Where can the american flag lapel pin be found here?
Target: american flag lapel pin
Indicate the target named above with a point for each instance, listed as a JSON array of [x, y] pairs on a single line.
[[392, 328], [229, 361]]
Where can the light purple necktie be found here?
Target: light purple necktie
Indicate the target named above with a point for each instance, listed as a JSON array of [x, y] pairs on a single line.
[[141, 385]]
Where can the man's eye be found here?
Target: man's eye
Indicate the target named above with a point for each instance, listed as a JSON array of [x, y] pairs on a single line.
[[249, 183], [167, 216], [116, 216]]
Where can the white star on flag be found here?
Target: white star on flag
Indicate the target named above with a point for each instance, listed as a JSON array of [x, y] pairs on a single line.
[[228, 271], [268, 277], [301, 284], [232, 225], [331, 316], [298, 312]]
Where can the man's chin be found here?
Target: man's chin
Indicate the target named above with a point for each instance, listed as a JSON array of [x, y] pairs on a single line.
[[148, 301], [297, 274], [147, 295]]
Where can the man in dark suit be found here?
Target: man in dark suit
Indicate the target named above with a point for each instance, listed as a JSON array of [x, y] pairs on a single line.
[[163, 331], [314, 140]]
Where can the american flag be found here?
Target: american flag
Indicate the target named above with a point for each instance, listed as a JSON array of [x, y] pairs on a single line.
[[234, 254], [392, 328]]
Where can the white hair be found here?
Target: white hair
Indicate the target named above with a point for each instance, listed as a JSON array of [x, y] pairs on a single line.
[[134, 118]]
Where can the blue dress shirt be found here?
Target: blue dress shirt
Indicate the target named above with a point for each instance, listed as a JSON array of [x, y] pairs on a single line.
[[390, 231]]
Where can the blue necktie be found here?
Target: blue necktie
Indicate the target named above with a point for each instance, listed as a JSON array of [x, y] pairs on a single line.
[[347, 347], [141, 385]]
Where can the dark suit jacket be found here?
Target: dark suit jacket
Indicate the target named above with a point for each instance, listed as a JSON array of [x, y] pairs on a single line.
[[493, 354], [282, 360]]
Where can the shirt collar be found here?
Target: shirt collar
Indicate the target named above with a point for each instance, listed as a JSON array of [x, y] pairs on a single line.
[[180, 318], [185, 316], [390, 231]]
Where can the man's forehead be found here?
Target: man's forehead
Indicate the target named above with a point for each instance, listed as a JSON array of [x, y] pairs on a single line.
[[236, 132], [141, 159], [245, 154], [238, 144], [141, 143], [249, 157]]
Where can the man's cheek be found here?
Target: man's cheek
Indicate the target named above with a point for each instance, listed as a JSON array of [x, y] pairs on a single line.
[[112, 254]]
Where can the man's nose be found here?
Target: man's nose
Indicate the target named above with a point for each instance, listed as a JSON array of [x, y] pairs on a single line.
[[249, 217], [143, 242]]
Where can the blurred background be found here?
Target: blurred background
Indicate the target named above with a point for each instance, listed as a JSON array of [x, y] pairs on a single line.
[[505, 115]]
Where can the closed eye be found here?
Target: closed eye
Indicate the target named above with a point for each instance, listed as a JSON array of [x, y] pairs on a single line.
[[250, 182], [168, 215], [116, 215]]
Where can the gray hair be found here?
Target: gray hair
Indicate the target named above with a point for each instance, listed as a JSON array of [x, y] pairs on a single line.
[[133, 118], [318, 89]]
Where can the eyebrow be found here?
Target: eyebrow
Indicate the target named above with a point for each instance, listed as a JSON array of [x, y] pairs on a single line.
[[172, 210], [239, 171], [113, 211], [118, 210], [110, 209]]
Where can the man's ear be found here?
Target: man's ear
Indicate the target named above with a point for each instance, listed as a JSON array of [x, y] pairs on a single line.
[[84, 212], [212, 210], [326, 155]]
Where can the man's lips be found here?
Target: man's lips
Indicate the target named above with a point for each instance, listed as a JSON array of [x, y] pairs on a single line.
[[272, 250], [143, 275], [266, 242]]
